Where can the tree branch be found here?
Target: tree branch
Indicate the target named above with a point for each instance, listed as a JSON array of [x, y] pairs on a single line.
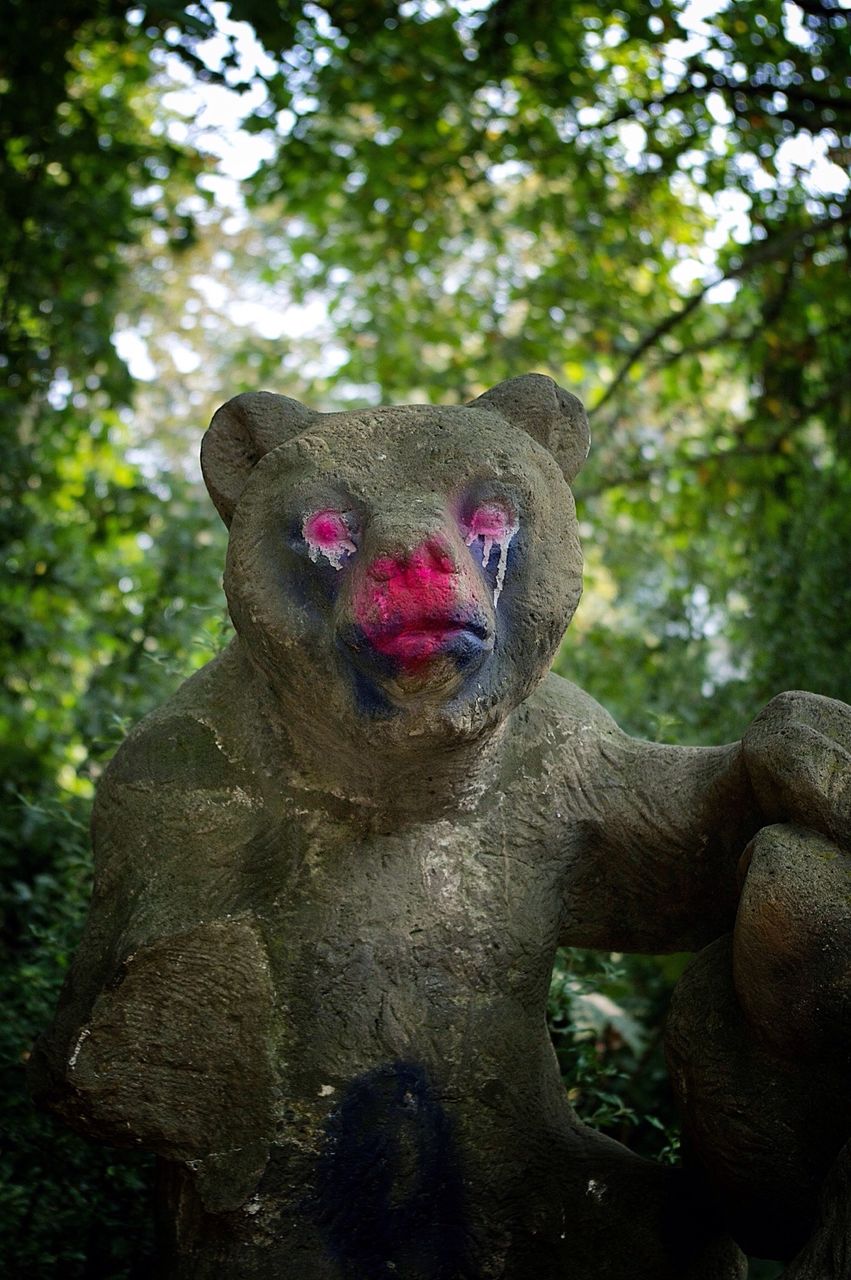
[[642, 474], [759, 253]]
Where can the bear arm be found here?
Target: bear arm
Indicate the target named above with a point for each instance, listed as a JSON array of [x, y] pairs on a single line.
[[139, 1069], [656, 865], [165, 981]]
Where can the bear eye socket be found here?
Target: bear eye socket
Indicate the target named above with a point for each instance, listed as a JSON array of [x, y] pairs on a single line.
[[492, 523], [489, 520], [330, 533], [490, 526]]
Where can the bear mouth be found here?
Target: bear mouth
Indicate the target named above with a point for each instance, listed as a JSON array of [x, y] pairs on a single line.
[[399, 635], [414, 643]]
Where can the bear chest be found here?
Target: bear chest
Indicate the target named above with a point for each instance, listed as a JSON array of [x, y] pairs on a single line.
[[417, 944]]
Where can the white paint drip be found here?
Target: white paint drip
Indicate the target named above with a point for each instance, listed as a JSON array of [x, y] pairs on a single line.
[[72, 1061], [488, 544], [334, 555], [596, 1189], [334, 550]]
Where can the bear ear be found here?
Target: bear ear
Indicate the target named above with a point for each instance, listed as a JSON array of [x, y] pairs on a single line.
[[553, 417], [241, 433]]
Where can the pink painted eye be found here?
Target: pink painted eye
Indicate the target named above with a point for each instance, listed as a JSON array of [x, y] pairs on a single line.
[[328, 533], [489, 521], [493, 525]]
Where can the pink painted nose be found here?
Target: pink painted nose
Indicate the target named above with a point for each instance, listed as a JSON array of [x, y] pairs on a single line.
[[430, 560], [414, 606]]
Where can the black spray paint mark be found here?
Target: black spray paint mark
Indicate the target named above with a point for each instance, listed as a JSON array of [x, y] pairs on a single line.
[[389, 1193]]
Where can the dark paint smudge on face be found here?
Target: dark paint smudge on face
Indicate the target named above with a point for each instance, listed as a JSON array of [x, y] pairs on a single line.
[[389, 1192], [370, 699]]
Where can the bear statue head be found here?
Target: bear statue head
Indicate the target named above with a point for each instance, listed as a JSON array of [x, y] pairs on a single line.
[[401, 573]]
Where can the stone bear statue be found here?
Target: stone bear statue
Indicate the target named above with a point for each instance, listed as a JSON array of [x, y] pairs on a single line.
[[333, 870]]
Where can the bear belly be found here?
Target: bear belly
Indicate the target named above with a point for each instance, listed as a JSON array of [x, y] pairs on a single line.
[[414, 1062], [424, 1129]]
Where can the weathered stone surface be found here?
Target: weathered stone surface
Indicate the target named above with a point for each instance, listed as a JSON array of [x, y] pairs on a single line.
[[333, 871], [828, 1252], [762, 1128], [759, 1033], [791, 954]]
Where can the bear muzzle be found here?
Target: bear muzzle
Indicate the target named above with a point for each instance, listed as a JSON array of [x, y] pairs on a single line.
[[418, 617]]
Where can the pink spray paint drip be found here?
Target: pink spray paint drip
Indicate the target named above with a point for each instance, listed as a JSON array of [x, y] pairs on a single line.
[[496, 527], [328, 533]]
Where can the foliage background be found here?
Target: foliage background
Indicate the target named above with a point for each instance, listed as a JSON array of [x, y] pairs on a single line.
[[648, 202]]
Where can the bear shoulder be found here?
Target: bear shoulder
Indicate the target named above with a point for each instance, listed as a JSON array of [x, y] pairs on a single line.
[[186, 778], [559, 713], [562, 747], [570, 707]]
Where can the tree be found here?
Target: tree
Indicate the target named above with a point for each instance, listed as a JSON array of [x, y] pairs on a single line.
[[480, 190], [473, 190], [103, 569]]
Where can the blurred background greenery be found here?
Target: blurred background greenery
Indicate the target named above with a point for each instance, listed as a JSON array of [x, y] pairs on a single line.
[[370, 200]]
